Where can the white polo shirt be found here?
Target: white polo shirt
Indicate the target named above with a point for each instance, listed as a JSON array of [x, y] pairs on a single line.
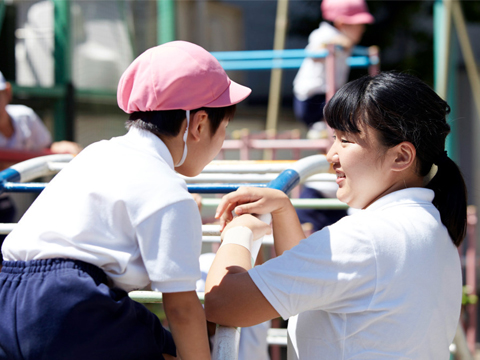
[[384, 283], [29, 131], [311, 78], [119, 205]]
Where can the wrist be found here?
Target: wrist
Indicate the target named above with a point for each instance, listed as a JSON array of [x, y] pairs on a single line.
[[239, 235], [284, 206]]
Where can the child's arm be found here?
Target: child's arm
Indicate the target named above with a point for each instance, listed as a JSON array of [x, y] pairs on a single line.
[[186, 319], [287, 230]]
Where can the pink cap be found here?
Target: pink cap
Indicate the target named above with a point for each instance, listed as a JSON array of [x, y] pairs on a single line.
[[177, 76], [347, 11]]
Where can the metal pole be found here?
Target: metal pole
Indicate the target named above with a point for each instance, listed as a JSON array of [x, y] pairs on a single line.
[[64, 107], [276, 74], [330, 70], [441, 45], [467, 52], [445, 66], [165, 21], [2, 13]]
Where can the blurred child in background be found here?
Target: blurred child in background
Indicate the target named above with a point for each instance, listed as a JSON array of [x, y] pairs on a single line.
[[345, 24]]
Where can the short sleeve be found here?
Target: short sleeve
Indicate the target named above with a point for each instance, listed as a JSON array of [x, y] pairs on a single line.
[[41, 137], [170, 243], [332, 270]]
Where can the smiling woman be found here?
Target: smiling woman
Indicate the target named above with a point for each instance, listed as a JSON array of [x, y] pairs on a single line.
[[383, 283], [367, 170]]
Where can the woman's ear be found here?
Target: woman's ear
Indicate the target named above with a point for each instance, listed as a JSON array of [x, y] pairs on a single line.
[[404, 156], [198, 124]]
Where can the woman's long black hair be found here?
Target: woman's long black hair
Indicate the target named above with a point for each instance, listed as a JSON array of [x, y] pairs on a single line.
[[403, 108]]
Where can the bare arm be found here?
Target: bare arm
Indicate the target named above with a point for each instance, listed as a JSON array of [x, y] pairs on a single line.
[[188, 325], [231, 297]]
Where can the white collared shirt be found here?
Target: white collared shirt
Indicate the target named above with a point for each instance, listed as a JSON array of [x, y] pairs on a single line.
[[119, 205], [384, 283], [29, 132], [311, 78]]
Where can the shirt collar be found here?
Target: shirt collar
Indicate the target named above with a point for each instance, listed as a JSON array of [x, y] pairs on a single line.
[[151, 143], [415, 194]]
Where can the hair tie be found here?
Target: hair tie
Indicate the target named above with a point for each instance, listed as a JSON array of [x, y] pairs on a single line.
[[441, 158]]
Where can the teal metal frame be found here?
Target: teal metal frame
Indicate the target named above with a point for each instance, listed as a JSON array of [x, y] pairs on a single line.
[[445, 64], [2, 13], [165, 21]]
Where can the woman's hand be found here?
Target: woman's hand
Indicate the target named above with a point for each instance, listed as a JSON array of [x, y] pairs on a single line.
[[251, 200]]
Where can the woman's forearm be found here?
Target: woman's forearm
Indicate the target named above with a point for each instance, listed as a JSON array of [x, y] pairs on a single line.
[[287, 230]]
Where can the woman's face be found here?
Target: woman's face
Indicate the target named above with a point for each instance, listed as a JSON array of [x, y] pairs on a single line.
[[362, 167]]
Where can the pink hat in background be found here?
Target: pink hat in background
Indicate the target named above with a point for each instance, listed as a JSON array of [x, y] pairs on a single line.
[[177, 76], [347, 11]]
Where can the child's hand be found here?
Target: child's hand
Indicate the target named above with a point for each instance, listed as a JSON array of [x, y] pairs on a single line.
[[258, 227], [250, 200], [65, 147]]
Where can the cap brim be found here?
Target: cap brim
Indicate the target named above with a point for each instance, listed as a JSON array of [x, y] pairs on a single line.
[[360, 18], [234, 94]]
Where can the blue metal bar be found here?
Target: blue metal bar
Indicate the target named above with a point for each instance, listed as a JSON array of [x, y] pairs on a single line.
[[8, 175], [286, 181], [193, 188], [261, 64], [10, 178], [289, 63], [218, 188], [268, 54], [24, 187], [281, 54]]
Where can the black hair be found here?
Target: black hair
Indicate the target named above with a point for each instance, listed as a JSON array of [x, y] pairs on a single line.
[[403, 108], [169, 122]]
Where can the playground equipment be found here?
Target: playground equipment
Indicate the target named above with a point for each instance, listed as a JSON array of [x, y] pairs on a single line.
[[291, 173], [17, 178], [277, 59], [269, 141]]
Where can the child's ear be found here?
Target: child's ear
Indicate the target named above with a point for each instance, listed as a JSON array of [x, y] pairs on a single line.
[[198, 124], [404, 156]]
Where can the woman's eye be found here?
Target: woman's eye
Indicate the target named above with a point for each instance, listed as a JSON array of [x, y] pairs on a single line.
[[345, 141]]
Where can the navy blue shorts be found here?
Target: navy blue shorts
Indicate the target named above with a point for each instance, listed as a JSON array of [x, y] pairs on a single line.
[[63, 309]]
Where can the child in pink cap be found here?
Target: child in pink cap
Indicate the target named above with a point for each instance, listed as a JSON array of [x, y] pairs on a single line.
[[344, 25], [119, 218]]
